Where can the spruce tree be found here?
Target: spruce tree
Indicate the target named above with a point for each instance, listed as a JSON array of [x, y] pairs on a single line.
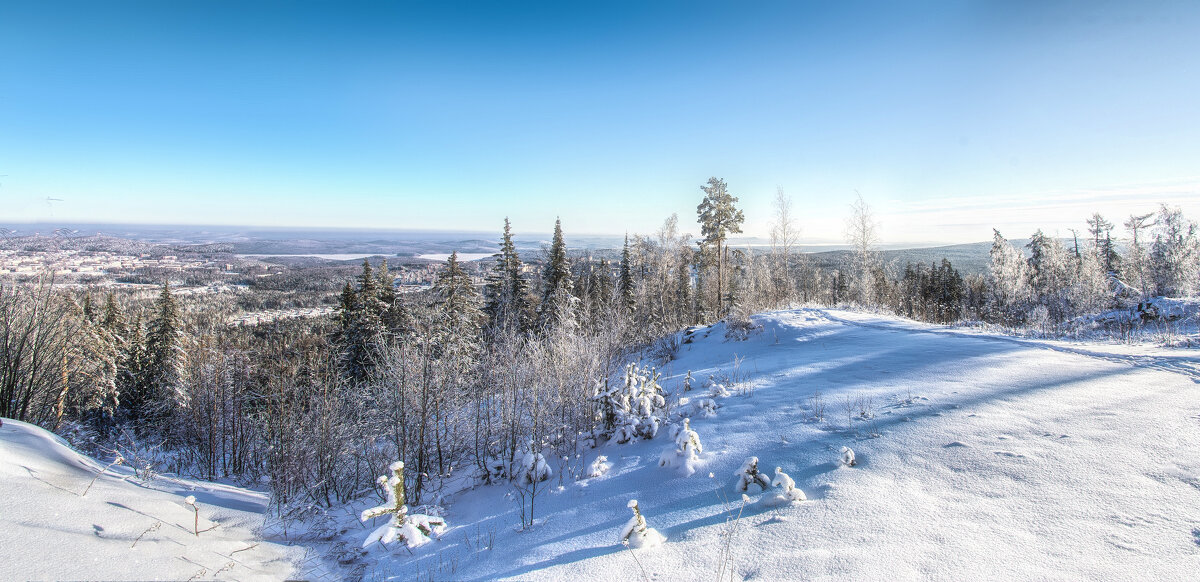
[[164, 355], [506, 290], [600, 290], [131, 377], [395, 317], [556, 280], [360, 334], [683, 287], [625, 279], [461, 317], [718, 219], [1101, 231]]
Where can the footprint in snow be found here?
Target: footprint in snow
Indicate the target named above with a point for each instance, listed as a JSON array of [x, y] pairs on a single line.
[[1010, 454], [956, 444]]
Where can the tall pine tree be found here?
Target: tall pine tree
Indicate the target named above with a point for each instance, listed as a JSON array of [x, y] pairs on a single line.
[[164, 357], [718, 219], [557, 299], [506, 290], [625, 279]]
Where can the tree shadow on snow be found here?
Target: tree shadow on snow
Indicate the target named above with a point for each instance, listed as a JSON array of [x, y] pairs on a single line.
[[567, 558]]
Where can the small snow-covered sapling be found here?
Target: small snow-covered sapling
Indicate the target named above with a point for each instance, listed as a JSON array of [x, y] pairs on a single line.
[[785, 490], [635, 533], [686, 452], [599, 466], [848, 457], [413, 529], [749, 475]]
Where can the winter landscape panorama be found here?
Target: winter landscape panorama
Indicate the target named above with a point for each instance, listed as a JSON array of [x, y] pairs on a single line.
[[629, 291]]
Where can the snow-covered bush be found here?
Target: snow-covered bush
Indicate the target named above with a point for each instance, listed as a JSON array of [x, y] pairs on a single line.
[[848, 457], [634, 409], [749, 475], [717, 388], [497, 469], [636, 534], [599, 466], [534, 469], [686, 453], [739, 326], [701, 407], [414, 529], [785, 491]]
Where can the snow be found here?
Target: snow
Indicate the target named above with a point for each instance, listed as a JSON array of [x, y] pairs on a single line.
[[123, 529], [978, 456], [995, 458]]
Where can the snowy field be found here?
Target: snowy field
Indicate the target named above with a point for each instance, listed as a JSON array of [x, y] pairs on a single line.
[[979, 457], [123, 528]]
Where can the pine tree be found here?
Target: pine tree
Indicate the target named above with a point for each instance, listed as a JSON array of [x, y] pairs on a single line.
[[412, 529], [395, 318], [460, 314], [164, 355], [600, 290], [635, 532], [750, 475], [1175, 254], [625, 279], [360, 335], [506, 290], [556, 302], [718, 219], [1102, 247], [132, 384], [683, 288], [1136, 270], [1008, 277]]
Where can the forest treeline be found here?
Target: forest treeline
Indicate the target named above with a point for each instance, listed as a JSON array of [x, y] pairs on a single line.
[[461, 382]]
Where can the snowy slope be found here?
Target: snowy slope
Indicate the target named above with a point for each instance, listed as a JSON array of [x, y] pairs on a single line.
[[50, 531], [995, 459]]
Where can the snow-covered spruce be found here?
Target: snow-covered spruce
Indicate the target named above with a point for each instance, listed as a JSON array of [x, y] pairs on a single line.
[[636, 534], [698, 407], [749, 475], [635, 408], [784, 492], [848, 457], [686, 453], [599, 466], [534, 468], [414, 529]]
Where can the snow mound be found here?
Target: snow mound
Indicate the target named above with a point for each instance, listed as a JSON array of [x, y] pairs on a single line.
[[122, 529]]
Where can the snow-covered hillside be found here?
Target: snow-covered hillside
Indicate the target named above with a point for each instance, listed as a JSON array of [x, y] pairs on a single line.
[[123, 528], [978, 457]]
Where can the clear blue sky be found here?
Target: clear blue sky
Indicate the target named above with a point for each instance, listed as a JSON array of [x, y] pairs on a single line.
[[949, 118]]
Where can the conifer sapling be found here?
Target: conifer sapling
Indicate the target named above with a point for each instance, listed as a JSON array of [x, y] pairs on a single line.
[[785, 490], [413, 529], [749, 475], [636, 534], [848, 457], [686, 453]]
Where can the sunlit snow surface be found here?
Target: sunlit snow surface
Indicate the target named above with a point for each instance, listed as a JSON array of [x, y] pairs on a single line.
[[123, 529], [996, 458]]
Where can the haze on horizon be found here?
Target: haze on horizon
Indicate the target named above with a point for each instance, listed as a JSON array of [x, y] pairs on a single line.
[[950, 119]]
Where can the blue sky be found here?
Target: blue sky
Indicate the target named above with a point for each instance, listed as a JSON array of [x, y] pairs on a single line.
[[949, 118]]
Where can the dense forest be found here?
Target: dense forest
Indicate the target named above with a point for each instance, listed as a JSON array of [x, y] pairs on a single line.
[[465, 382]]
